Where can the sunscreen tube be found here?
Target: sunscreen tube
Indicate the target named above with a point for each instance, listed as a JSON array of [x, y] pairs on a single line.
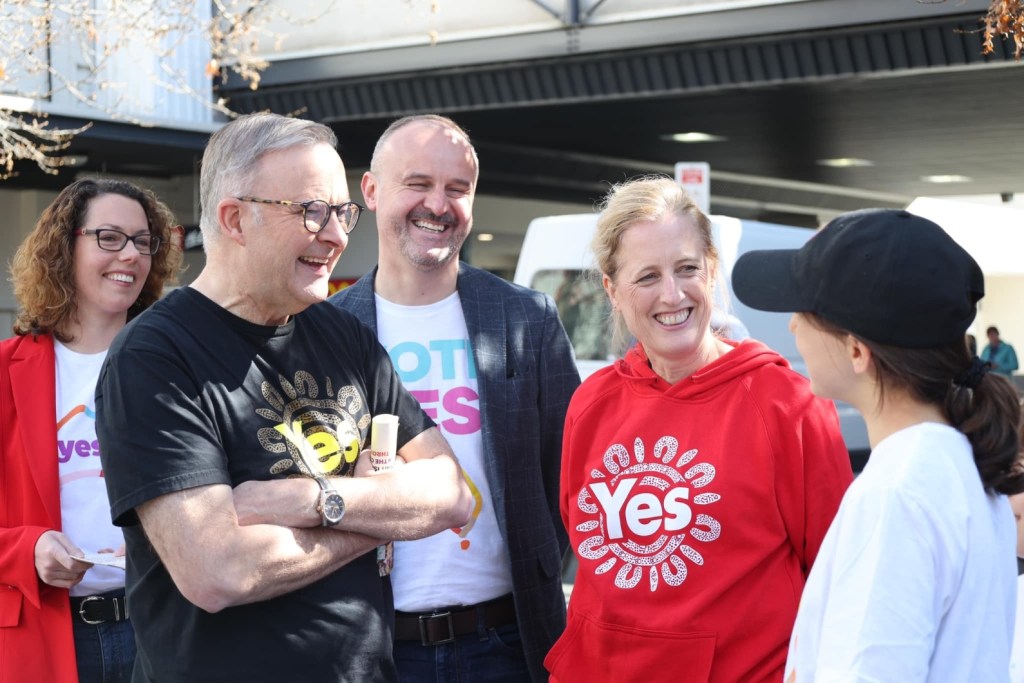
[[383, 449], [383, 442]]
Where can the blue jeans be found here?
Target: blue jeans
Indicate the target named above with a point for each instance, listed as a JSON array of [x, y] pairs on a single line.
[[487, 656], [105, 653]]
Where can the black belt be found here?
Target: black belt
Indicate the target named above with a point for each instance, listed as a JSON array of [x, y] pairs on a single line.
[[442, 625], [100, 609]]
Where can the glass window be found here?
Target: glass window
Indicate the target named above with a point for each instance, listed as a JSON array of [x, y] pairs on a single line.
[[583, 307]]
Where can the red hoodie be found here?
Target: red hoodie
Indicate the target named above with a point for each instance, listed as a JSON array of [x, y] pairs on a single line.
[[696, 510]]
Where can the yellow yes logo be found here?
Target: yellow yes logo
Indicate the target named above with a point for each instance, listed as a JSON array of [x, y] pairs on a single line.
[[320, 450]]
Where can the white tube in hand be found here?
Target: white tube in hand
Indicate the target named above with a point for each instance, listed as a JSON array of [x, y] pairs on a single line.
[[383, 442], [383, 449]]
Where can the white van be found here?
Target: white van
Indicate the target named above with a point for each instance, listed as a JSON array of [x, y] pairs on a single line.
[[556, 259]]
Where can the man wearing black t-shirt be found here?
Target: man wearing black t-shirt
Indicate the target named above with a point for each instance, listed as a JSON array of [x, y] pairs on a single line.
[[231, 419]]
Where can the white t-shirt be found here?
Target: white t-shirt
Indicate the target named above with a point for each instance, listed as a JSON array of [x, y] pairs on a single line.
[[916, 579], [429, 346], [84, 510], [1017, 651]]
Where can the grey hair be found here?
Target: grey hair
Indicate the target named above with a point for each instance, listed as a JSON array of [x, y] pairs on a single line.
[[233, 153], [432, 119]]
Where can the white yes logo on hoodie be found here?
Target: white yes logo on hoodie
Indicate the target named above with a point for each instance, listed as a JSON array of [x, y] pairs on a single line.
[[639, 497]]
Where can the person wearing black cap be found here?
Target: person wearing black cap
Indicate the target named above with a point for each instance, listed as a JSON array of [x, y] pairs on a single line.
[[916, 578]]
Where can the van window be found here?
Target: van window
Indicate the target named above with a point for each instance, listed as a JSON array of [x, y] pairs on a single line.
[[583, 307]]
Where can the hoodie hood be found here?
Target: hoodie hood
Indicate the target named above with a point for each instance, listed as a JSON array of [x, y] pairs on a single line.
[[745, 357]]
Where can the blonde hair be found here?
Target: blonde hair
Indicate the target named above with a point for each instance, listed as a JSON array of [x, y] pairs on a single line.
[[641, 200]]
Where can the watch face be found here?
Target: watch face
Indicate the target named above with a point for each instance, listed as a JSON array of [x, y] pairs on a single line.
[[333, 508]]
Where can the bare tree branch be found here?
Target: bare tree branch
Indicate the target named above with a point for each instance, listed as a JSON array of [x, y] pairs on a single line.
[[31, 138], [97, 52]]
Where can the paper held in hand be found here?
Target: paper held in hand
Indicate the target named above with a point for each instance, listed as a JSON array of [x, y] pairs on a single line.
[[108, 559], [383, 448]]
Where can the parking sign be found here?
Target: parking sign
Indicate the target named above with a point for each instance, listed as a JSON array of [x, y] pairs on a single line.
[[695, 177]]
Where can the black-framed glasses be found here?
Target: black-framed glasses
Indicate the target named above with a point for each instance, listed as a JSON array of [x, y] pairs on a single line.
[[109, 239], [316, 212]]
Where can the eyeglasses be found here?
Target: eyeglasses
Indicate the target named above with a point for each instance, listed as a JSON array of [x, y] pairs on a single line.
[[109, 239], [316, 212]]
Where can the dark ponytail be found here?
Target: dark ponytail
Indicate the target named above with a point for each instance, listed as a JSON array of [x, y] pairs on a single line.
[[982, 406], [989, 415]]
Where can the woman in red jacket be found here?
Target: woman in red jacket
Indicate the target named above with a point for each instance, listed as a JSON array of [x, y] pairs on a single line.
[[99, 255]]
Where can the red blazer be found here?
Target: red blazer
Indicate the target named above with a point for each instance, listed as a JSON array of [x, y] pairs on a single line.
[[36, 643]]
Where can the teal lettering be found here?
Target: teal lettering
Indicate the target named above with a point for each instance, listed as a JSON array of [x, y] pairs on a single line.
[[447, 348], [420, 355]]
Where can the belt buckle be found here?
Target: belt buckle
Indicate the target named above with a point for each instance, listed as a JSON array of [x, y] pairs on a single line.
[[81, 609], [425, 640]]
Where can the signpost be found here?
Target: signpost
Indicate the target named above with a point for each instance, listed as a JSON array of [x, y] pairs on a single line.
[[695, 177]]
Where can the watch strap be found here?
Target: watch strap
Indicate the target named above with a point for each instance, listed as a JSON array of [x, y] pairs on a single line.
[[327, 489]]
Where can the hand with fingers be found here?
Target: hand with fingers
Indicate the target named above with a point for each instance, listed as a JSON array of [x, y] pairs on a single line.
[[54, 563]]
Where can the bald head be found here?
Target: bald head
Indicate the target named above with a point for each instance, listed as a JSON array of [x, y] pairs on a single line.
[[455, 131], [421, 186]]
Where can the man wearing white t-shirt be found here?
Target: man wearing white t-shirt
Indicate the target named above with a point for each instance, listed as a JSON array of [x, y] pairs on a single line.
[[491, 364]]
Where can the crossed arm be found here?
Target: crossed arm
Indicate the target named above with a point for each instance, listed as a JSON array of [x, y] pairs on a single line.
[[227, 547]]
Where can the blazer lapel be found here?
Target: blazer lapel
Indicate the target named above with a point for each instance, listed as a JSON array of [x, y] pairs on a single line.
[[361, 302], [485, 322], [33, 385]]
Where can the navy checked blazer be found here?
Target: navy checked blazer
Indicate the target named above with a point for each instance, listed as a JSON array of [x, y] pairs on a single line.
[[526, 374]]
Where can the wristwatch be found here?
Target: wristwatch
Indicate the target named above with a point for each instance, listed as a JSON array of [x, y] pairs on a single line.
[[330, 504]]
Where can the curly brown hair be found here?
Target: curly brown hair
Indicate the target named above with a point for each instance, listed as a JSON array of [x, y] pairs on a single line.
[[42, 270]]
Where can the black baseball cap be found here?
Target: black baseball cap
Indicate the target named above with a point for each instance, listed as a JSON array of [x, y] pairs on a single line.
[[885, 275]]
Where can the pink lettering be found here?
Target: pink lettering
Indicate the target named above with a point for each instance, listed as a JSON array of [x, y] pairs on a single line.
[[456, 402], [425, 397], [463, 417]]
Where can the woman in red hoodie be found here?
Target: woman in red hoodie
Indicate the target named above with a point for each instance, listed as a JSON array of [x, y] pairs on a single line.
[[99, 255], [699, 474]]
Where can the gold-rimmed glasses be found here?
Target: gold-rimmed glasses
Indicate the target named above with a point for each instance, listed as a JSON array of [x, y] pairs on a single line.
[[316, 212]]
